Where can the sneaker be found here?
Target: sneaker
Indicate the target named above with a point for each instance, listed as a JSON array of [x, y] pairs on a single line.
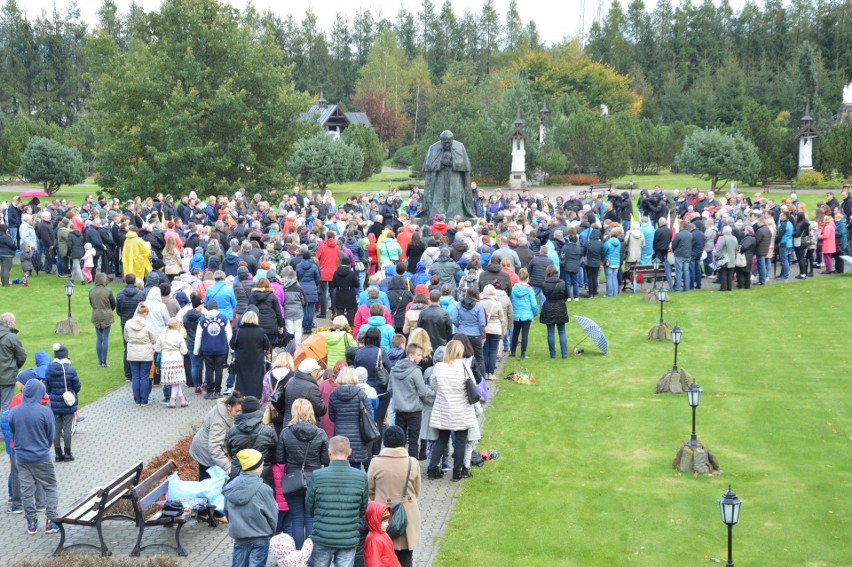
[[51, 528], [227, 391], [40, 508], [14, 510], [32, 528], [165, 402], [445, 465]]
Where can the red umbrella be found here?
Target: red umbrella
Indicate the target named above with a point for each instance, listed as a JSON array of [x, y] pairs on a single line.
[[33, 193]]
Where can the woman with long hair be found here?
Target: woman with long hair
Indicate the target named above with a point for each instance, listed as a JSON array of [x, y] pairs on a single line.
[[451, 412], [301, 446], [525, 308], [344, 410], [172, 258], [140, 339], [171, 344]]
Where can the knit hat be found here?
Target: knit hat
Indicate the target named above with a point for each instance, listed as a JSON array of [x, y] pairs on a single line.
[[250, 404], [394, 437], [60, 351], [242, 270], [157, 264], [250, 459], [199, 250], [361, 372], [308, 365]]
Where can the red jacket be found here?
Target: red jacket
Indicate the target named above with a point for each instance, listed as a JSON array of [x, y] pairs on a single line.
[[328, 254], [403, 239], [439, 228], [361, 317], [378, 547]]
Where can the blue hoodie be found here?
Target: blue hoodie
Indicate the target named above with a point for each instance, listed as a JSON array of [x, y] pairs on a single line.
[[197, 261], [379, 322], [42, 360], [383, 297], [469, 318], [524, 302], [421, 277], [647, 250], [32, 426]]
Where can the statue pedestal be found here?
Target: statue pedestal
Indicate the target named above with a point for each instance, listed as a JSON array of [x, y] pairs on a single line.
[[518, 180]]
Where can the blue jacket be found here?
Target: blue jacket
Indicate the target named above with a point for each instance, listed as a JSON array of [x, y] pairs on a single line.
[[469, 318], [308, 274], [787, 238], [383, 297], [647, 250], [224, 296], [421, 277], [197, 261], [55, 384], [379, 322], [612, 252], [32, 426], [524, 303]]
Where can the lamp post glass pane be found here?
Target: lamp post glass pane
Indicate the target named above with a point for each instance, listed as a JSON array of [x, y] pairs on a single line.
[[729, 506], [656, 264], [693, 394], [69, 288], [677, 334], [662, 294]]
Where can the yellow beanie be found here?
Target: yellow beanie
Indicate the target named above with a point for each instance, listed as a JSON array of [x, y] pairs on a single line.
[[249, 459]]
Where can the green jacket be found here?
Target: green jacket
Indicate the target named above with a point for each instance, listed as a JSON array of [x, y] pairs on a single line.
[[337, 499], [12, 356]]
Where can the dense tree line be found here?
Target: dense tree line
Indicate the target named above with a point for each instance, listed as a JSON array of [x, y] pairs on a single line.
[[212, 100]]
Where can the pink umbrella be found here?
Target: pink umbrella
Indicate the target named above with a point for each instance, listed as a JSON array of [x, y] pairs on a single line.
[[33, 193]]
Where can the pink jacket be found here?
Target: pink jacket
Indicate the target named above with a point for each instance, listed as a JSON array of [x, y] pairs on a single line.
[[277, 476], [829, 246]]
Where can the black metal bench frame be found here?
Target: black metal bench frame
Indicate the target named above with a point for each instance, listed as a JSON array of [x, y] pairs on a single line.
[[149, 492], [90, 510]]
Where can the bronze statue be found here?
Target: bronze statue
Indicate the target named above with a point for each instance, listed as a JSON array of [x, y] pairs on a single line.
[[447, 171]]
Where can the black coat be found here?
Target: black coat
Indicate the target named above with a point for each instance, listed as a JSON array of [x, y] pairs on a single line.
[[344, 409], [399, 296], [594, 251], [249, 433], [301, 385], [489, 275], [268, 309], [553, 310], [250, 344], [302, 443], [76, 245], [662, 239], [126, 302], [569, 257], [55, 381], [747, 247], [344, 286]]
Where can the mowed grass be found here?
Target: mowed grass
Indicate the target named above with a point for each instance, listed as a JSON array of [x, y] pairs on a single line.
[[584, 475], [39, 307]]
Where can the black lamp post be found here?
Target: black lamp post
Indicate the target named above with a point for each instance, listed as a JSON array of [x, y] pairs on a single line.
[[662, 297], [693, 396], [69, 291], [677, 335], [729, 506]]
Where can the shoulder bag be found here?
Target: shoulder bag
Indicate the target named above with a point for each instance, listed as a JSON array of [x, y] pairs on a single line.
[[297, 480], [382, 376], [399, 521], [370, 432], [67, 396], [740, 261], [470, 388]]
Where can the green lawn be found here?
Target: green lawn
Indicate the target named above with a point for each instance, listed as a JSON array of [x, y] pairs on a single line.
[[584, 475], [37, 310]]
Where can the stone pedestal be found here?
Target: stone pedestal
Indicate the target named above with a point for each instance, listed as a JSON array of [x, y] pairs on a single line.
[[518, 177]]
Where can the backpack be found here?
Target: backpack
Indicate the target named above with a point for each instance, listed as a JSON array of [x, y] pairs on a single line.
[[466, 282]]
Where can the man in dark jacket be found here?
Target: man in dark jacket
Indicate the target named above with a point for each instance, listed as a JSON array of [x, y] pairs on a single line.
[[436, 321], [126, 302], [399, 295], [537, 266], [12, 358], [33, 429], [337, 499], [93, 237], [46, 242], [662, 242], [697, 233], [303, 384], [682, 248], [493, 272], [763, 239]]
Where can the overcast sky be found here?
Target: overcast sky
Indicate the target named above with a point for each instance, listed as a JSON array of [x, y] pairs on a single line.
[[555, 19]]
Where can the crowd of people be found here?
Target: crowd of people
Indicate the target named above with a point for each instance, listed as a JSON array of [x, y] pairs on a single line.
[[219, 295]]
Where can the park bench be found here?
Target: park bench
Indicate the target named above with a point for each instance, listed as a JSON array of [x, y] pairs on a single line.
[[600, 187], [647, 273], [90, 510], [152, 492], [846, 183], [778, 183]]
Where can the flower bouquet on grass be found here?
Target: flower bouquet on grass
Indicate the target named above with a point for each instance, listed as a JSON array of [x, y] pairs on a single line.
[[521, 377]]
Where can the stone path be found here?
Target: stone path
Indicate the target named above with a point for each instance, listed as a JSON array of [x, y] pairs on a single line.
[[114, 435]]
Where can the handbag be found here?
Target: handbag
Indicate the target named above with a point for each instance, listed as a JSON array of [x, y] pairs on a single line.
[[670, 257], [67, 396], [382, 376], [740, 261], [399, 521], [797, 241], [470, 388], [297, 480], [370, 432]]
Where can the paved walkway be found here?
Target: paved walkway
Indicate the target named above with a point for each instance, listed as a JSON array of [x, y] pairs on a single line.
[[114, 435]]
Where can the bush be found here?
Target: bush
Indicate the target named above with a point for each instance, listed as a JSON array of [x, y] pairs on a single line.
[[810, 178], [403, 158], [573, 179]]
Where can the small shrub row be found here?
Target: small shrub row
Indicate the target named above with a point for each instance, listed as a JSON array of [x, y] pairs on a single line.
[[88, 560], [573, 179]]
